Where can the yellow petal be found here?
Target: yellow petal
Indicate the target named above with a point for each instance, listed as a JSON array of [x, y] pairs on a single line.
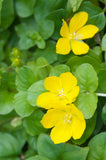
[[87, 31], [52, 117], [49, 100], [61, 133], [78, 127], [79, 47], [64, 32], [63, 46], [68, 81], [72, 95], [53, 84], [77, 21]]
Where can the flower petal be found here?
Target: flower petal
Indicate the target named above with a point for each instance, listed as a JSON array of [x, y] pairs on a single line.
[[63, 46], [79, 47], [87, 31], [64, 32], [53, 84], [61, 132], [68, 81], [71, 96], [49, 100], [52, 117], [77, 21], [78, 127]]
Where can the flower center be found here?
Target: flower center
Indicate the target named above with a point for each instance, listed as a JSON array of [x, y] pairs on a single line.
[[67, 118], [73, 36], [61, 93]]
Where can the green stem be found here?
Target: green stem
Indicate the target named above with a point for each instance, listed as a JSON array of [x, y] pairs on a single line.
[[101, 94]]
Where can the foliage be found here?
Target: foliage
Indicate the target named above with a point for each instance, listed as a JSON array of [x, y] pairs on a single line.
[[29, 32]]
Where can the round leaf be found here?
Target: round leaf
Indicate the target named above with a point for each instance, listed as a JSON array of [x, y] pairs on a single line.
[[22, 107], [37, 157], [6, 102], [25, 77], [97, 147], [56, 71], [102, 80], [8, 145], [32, 123], [34, 91], [87, 78], [87, 103]]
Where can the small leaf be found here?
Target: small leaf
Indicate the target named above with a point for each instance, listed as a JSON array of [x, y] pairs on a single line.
[[24, 78], [47, 148], [74, 4], [96, 14], [38, 157], [72, 152], [45, 28], [21, 105], [25, 8], [97, 147], [49, 53], [32, 123], [87, 78], [6, 102], [102, 80], [104, 114], [87, 103], [57, 70], [104, 43], [9, 145], [76, 61], [34, 91], [7, 14]]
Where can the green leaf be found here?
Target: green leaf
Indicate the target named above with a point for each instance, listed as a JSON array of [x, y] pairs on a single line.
[[33, 125], [25, 8], [41, 68], [104, 43], [21, 105], [11, 158], [76, 61], [90, 126], [74, 4], [45, 28], [87, 103], [49, 53], [87, 78], [57, 70], [37, 157], [72, 152], [97, 147], [6, 102], [7, 14], [104, 114], [32, 141], [47, 148], [96, 14], [45, 7], [24, 78], [9, 145], [102, 80], [57, 17], [34, 91]]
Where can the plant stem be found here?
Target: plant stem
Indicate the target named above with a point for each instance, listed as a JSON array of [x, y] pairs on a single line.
[[101, 94]]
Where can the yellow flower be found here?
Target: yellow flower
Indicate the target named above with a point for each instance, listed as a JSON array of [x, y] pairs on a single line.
[[66, 123], [74, 34], [62, 90]]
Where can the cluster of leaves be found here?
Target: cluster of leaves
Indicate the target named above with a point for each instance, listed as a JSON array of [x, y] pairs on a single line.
[[29, 30]]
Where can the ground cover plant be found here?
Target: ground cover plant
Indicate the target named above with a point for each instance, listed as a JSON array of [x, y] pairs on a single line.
[[52, 80]]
